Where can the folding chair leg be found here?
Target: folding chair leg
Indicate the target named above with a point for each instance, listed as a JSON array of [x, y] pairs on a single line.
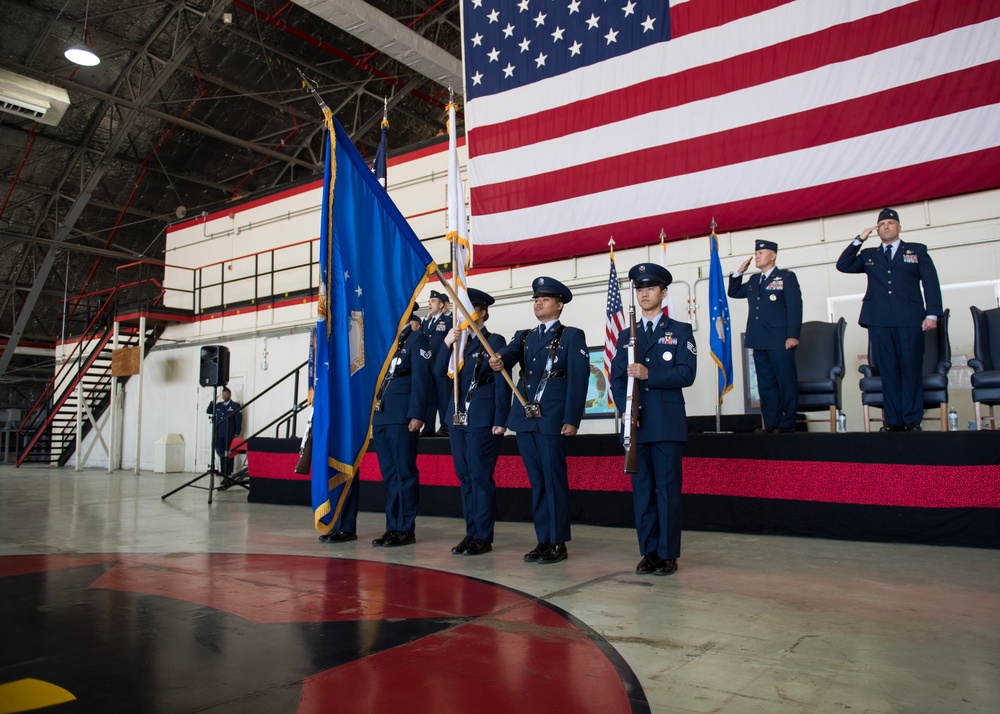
[[979, 419], [944, 416], [868, 419], [833, 419]]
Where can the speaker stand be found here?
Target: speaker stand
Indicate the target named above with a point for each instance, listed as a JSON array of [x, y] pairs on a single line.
[[225, 481]]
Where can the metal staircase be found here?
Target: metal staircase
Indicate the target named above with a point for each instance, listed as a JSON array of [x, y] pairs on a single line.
[[48, 433]]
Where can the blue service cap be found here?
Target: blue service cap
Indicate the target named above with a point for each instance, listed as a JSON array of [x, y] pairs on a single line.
[[478, 297], [765, 245], [413, 313], [443, 297], [645, 275], [887, 214], [550, 287]]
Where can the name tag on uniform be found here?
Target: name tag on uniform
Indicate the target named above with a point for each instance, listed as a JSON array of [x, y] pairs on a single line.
[[909, 257]]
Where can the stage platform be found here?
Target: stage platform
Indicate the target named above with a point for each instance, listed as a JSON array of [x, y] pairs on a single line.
[[914, 487]]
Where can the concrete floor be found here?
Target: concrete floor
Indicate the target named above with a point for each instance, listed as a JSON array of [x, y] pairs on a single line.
[[749, 624]]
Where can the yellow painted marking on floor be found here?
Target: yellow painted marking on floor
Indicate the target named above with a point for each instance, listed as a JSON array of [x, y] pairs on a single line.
[[25, 695]]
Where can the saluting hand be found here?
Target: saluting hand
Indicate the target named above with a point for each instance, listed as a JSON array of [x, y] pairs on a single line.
[[745, 265], [866, 231], [496, 363]]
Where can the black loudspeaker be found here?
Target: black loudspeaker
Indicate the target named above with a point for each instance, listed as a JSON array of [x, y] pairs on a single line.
[[214, 366]]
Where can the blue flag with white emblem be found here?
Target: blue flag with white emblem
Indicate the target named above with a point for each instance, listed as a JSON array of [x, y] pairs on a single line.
[[721, 336], [372, 265]]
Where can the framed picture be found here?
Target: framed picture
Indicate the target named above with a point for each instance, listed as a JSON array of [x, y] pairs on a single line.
[[599, 404], [751, 395]]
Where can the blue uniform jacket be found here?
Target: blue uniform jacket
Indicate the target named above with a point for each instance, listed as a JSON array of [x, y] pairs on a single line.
[[672, 361], [406, 396], [775, 308], [491, 401], [437, 333], [893, 297], [230, 428], [563, 399]]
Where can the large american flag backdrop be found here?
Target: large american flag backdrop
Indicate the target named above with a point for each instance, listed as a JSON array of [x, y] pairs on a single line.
[[594, 118]]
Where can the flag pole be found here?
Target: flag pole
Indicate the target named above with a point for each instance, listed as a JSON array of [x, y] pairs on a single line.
[[475, 329], [454, 193], [718, 402]]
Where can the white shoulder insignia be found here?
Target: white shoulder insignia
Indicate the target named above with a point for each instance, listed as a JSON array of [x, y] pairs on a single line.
[[426, 354], [692, 349]]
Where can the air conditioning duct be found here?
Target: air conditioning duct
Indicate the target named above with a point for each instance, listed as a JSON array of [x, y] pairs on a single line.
[[31, 99]]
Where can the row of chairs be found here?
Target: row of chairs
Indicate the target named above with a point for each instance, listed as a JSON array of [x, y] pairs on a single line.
[[819, 360]]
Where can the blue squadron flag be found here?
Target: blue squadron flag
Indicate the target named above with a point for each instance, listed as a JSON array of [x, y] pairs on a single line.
[[372, 266], [721, 336]]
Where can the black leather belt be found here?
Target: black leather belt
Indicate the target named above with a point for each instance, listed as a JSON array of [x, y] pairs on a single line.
[[400, 373], [558, 374]]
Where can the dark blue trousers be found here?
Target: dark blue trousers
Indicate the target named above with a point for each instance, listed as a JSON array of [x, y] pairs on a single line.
[[474, 451], [899, 354], [656, 494], [396, 448], [544, 459], [445, 396], [225, 465], [347, 521], [778, 384]]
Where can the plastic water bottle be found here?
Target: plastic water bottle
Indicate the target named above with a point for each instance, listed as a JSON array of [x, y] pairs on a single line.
[[952, 420], [841, 422]]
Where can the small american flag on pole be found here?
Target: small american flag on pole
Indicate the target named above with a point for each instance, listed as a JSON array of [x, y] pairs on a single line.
[[616, 316]]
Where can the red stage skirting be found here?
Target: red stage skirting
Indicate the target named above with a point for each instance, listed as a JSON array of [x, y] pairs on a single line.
[[930, 487]]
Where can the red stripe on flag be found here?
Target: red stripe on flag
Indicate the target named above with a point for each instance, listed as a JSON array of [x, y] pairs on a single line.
[[975, 171], [800, 54], [912, 103], [697, 15]]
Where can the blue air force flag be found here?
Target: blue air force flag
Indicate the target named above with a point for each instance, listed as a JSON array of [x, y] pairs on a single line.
[[372, 265]]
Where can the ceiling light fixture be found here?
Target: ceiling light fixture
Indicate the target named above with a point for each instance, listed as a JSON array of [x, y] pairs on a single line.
[[82, 54]]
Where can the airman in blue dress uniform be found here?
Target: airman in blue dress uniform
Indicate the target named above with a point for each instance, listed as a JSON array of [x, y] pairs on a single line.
[[484, 405], [399, 414], [774, 324], [436, 326], [666, 360], [554, 375], [345, 528], [228, 418], [893, 311]]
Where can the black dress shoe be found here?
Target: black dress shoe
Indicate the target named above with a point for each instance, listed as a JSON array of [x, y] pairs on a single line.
[[401, 538], [785, 430], [647, 565], [442, 432], [892, 427], [535, 553], [460, 548], [383, 539], [913, 427], [554, 554], [478, 547], [765, 430], [666, 567], [338, 537]]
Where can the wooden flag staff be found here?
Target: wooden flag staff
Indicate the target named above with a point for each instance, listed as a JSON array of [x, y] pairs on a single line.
[[475, 329]]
